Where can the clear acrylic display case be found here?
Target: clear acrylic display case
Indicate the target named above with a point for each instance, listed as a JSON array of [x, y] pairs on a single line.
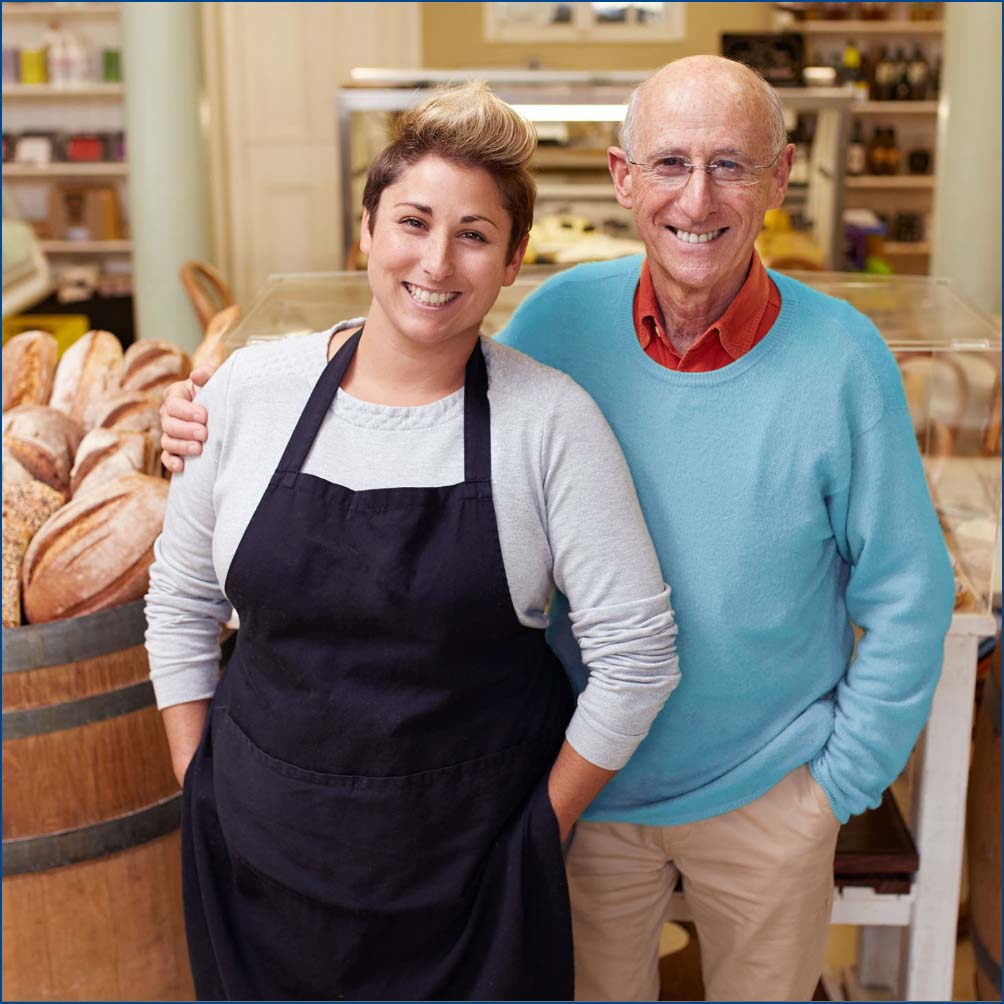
[[949, 354]]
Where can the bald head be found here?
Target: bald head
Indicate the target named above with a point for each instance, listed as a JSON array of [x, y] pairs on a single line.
[[695, 75]]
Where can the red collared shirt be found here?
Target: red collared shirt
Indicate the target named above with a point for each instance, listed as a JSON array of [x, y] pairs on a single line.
[[748, 318]]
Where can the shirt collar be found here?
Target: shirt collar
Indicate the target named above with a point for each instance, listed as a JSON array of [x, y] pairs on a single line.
[[736, 329]]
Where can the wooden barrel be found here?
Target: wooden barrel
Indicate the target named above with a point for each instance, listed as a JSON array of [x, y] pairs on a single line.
[[91, 813], [983, 838]]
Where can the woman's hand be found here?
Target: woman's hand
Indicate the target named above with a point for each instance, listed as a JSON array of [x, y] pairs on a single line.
[[182, 423], [183, 724], [572, 784]]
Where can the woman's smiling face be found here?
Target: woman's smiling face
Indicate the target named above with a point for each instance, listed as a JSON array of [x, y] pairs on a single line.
[[438, 252]]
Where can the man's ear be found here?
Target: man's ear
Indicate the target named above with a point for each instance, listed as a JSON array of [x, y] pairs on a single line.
[[780, 176], [365, 237], [620, 171]]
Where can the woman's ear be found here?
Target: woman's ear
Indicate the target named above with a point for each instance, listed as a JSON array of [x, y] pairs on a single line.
[[365, 237], [516, 262]]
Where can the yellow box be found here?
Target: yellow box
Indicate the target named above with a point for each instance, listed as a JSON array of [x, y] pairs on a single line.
[[67, 328]]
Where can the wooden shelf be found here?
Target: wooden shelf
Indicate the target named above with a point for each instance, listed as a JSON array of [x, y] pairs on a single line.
[[902, 181], [556, 157], [59, 9], [89, 170], [851, 28], [570, 191], [906, 248], [86, 247], [48, 92], [895, 108]]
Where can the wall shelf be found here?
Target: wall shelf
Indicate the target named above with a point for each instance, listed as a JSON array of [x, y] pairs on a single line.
[[60, 9], [895, 108], [902, 181], [86, 247], [906, 248], [852, 28], [50, 93], [88, 170]]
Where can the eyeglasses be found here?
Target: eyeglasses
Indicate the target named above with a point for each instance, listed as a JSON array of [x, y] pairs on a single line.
[[674, 172]]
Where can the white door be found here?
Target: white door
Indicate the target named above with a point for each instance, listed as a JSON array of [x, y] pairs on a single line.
[[272, 70]]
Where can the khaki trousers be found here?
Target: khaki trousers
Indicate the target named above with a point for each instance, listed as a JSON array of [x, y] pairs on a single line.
[[758, 880]]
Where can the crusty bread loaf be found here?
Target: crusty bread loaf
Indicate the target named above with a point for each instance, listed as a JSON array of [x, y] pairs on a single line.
[[15, 543], [14, 472], [210, 353], [29, 364], [44, 441], [30, 503], [96, 551], [130, 409], [151, 365], [88, 373], [107, 454]]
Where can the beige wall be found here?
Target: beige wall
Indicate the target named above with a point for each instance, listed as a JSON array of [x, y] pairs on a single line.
[[453, 38]]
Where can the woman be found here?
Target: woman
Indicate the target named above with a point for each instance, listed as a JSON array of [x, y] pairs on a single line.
[[376, 802]]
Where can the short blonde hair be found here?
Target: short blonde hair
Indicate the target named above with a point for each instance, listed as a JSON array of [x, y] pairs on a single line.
[[467, 125]]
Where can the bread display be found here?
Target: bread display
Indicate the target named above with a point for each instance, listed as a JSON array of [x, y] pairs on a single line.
[[44, 442], [29, 365], [107, 454], [151, 366], [88, 373], [96, 551]]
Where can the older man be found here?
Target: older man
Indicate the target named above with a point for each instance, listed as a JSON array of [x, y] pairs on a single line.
[[774, 456]]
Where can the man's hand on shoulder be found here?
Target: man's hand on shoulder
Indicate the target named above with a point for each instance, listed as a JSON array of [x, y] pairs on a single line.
[[183, 423]]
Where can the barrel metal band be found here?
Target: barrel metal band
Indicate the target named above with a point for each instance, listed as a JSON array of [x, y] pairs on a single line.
[[986, 963], [68, 847], [83, 711], [58, 643]]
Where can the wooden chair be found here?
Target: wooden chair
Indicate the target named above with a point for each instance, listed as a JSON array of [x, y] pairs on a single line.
[[206, 288], [936, 434]]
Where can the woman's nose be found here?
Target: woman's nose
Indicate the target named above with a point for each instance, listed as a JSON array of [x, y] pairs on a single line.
[[436, 258]]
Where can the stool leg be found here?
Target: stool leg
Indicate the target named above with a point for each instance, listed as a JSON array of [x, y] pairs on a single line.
[[880, 958]]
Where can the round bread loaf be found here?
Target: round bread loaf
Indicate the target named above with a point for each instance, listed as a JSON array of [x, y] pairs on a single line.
[[150, 365], [107, 454], [130, 409], [44, 442], [87, 374], [29, 364], [95, 552]]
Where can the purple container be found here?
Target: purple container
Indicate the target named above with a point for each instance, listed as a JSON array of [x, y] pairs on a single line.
[[11, 66]]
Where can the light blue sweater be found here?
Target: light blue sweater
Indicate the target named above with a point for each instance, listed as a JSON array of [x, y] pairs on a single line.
[[786, 498]]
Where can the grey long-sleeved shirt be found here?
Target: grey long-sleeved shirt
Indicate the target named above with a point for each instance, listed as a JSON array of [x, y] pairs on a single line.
[[566, 510]]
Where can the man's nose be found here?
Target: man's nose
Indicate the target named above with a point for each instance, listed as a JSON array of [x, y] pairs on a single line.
[[697, 196]]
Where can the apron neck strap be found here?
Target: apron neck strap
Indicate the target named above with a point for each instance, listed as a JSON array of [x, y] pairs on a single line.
[[477, 418]]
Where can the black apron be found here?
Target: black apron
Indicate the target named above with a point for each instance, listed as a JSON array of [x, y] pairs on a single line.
[[366, 816]]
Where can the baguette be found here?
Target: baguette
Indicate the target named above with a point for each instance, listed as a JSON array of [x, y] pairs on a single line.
[[107, 454], [44, 441], [95, 552], [210, 353], [29, 365], [150, 366], [88, 373]]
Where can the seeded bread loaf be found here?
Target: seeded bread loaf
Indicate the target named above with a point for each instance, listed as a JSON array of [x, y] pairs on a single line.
[[96, 551], [29, 364], [150, 366], [44, 441], [87, 374], [30, 503], [107, 454], [15, 543]]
